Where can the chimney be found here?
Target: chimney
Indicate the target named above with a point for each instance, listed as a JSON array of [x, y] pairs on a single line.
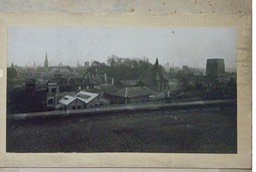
[[113, 82], [96, 72], [126, 92], [126, 95], [105, 77]]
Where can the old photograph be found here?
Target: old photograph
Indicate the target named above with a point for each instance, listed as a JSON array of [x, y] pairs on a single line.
[[122, 89]]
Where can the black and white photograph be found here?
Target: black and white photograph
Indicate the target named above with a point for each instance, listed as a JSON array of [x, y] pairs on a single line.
[[121, 89]]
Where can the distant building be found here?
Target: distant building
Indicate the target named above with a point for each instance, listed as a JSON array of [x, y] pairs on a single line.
[[86, 64], [71, 83], [167, 67], [215, 68], [82, 100], [185, 67], [154, 78]]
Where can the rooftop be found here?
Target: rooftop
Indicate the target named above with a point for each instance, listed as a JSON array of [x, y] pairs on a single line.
[[86, 96], [67, 100], [130, 92]]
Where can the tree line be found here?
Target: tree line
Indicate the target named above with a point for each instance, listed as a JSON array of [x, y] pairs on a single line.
[[120, 68]]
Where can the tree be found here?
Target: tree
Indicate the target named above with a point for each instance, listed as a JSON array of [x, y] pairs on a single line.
[[126, 68], [97, 68]]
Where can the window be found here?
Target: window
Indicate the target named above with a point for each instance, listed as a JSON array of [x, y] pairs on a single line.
[[53, 90], [50, 101], [96, 105], [73, 107], [78, 107]]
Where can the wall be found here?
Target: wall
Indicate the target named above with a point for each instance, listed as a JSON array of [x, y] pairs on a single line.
[[96, 102], [76, 103]]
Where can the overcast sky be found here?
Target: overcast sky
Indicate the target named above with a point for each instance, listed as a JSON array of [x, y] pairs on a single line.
[[178, 46]]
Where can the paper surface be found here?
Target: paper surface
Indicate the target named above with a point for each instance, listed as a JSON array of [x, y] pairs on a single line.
[[198, 13]]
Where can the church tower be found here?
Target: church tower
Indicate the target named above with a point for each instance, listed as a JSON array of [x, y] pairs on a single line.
[[154, 78]]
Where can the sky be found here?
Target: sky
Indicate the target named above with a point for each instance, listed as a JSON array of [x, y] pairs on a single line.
[[70, 45]]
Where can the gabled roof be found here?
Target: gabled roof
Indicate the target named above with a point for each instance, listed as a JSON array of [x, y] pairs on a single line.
[[67, 99], [85, 96]]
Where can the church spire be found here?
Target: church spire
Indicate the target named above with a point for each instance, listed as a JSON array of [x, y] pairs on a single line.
[[156, 63], [157, 69], [46, 62]]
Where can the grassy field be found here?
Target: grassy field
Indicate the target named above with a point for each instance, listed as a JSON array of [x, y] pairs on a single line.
[[210, 130]]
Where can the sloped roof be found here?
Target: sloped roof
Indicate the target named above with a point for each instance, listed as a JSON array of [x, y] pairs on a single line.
[[108, 89], [153, 74], [67, 99], [129, 82], [85, 96], [60, 95], [130, 92]]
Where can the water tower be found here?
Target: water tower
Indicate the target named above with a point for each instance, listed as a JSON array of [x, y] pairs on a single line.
[[215, 68]]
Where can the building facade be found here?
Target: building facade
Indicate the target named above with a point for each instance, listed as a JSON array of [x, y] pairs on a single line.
[[52, 92]]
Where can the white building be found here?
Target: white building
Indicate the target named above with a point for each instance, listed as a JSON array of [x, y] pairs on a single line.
[[82, 100]]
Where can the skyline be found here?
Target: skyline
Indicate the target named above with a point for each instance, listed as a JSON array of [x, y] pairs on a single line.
[[178, 46]]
